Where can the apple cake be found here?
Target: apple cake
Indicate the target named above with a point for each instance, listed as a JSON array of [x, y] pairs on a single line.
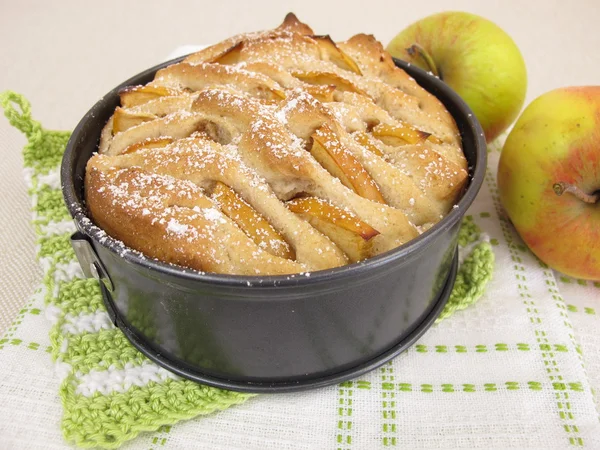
[[275, 152]]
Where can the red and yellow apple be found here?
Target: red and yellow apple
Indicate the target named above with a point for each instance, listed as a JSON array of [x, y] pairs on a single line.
[[473, 56], [549, 179]]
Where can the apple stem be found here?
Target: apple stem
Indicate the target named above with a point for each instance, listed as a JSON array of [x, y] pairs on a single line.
[[416, 49], [561, 187]]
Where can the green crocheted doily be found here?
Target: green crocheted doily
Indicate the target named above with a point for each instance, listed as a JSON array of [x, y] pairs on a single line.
[[109, 419]]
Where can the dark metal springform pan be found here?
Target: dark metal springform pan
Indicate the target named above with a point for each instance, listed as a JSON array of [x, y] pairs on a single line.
[[274, 333]]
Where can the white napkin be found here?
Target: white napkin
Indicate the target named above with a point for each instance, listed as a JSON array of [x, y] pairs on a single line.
[[582, 300]]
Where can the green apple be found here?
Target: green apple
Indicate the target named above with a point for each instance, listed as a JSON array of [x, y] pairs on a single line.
[[549, 179], [474, 57]]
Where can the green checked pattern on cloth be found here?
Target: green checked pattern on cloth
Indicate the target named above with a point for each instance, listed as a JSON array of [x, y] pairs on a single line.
[[506, 373]]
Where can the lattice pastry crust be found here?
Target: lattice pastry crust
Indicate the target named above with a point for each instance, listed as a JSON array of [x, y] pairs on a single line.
[[275, 152]]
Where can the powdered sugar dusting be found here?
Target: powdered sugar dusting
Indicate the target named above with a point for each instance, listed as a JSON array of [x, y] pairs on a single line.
[[175, 227]]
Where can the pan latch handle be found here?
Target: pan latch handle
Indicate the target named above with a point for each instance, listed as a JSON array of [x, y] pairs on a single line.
[[89, 261]]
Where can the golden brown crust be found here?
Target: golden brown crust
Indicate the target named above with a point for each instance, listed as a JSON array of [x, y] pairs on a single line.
[[269, 117], [177, 227], [290, 24]]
